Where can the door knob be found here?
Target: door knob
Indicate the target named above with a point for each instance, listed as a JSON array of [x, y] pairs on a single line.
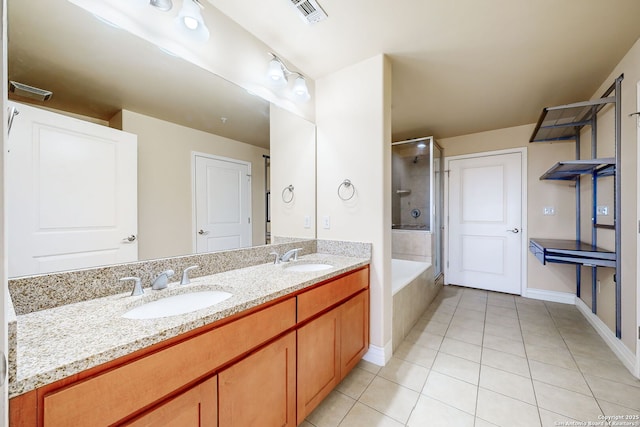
[[514, 230], [202, 232], [130, 239]]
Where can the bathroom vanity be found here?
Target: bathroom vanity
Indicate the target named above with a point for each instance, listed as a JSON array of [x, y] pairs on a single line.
[[258, 360]]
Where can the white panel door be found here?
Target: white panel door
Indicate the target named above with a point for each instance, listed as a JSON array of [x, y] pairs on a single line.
[[222, 203], [72, 194], [485, 217]]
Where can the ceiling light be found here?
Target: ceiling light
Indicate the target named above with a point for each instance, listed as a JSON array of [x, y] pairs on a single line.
[[190, 22], [422, 145], [163, 5]]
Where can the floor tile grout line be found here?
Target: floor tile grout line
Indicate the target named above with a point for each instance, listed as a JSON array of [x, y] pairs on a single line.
[[480, 368], [526, 354], [575, 361]]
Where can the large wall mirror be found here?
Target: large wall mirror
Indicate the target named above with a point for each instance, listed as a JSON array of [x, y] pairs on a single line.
[[108, 76]]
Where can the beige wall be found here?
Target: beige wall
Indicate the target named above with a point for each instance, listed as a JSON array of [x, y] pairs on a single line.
[[353, 112], [560, 195], [293, 162], [164, 181], [630, 66], [541, 156]]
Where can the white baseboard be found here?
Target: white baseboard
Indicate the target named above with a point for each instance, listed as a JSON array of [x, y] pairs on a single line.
[[625, 355], [379, 355], [553, 296]]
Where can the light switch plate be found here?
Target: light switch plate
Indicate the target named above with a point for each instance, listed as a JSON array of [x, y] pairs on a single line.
[[602, 210], [549, 210], [326, 222], [307, 221]]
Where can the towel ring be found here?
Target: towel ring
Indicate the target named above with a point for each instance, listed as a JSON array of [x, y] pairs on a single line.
[[286, 199], [347, 185]]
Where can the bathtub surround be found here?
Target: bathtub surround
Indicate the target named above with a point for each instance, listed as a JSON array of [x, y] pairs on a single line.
[[411, 245], [414, 288]]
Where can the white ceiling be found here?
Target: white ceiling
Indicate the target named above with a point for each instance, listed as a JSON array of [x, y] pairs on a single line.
[[459, 66]]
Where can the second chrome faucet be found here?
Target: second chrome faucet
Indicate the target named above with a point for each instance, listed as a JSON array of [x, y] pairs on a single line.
[[287, 256]]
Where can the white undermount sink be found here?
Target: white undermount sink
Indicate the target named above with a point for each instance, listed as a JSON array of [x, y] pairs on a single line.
[[308, 267], [177, 304]]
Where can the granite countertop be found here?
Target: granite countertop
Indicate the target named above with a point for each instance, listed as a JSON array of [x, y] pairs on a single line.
[[55, 343]]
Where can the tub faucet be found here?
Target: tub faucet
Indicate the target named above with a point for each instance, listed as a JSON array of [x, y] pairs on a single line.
[[162, 280]]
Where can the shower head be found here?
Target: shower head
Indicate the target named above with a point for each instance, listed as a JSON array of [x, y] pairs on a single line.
[[27, 91]]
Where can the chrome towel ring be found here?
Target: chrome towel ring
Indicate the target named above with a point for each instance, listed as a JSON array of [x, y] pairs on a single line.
[[287, 194], [344, 188]]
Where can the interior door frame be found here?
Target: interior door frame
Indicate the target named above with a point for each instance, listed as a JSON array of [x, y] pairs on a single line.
[[194, 224], [637, 118], [523, 212], [4, 291]]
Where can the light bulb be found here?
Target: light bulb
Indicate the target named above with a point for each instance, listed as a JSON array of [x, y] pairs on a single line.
[[190, 22]]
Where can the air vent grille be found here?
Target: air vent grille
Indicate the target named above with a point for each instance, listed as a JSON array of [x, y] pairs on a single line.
[[309, 10]]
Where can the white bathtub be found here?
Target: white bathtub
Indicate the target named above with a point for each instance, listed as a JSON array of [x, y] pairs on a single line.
[[404, 272]]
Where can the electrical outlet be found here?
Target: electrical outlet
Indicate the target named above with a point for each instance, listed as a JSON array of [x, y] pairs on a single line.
[[307, 221], [602, 210], [549, 210], [326, 222]]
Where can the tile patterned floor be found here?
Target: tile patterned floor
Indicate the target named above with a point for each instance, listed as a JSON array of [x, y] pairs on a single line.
[[482, 359]]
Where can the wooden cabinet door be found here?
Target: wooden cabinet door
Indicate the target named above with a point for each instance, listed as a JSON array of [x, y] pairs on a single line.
[[318, 361], [260, 390], [196, 407], [354, 331]]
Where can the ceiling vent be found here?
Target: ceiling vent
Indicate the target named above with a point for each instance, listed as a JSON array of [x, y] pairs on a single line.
[[309, 10]]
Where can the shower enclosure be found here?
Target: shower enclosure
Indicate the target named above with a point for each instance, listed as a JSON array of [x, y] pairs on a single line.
[[417, 200]]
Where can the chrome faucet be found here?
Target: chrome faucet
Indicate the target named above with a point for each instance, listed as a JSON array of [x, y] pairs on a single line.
[[162, 280], [137, 286], [286, 257], [292, 253], [185, 275]]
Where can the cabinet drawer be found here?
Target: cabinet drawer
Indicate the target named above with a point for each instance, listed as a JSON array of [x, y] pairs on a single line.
[[122, 391], [193, 408], [318, 299]]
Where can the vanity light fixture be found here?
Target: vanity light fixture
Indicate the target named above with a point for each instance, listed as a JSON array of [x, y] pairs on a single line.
[[190, 22], [300, 89], [163, 5], [278, 76]]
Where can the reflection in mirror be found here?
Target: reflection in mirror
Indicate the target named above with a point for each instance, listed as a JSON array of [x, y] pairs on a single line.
[[107, 76]]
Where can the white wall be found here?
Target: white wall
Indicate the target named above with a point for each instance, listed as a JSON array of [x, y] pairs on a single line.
[[353, 118], [293, 162], [164, 182]]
